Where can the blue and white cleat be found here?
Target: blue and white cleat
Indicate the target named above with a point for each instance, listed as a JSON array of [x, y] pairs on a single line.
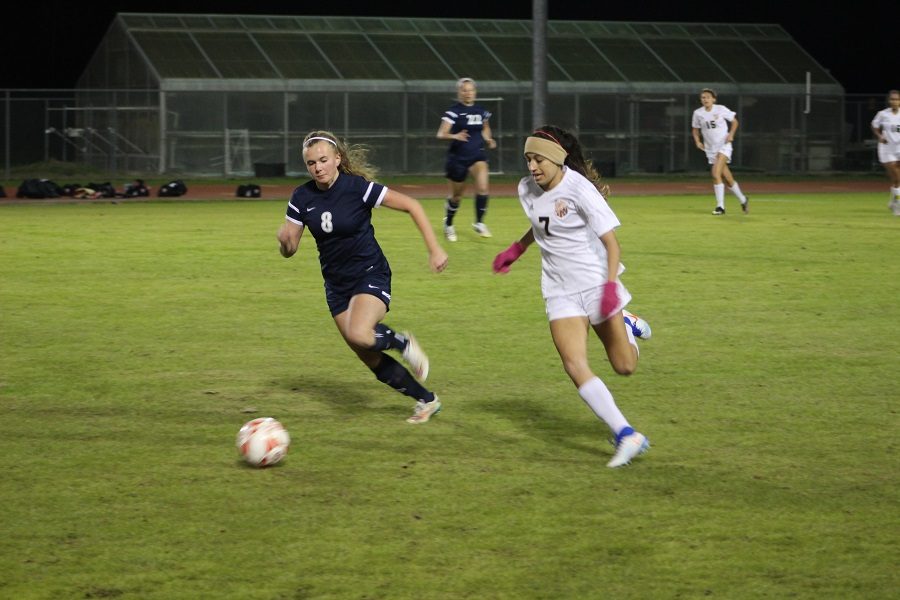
[[639, 327], [628, 447]]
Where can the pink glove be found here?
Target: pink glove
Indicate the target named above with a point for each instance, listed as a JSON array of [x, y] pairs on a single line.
[[609, 299], [508, 257]]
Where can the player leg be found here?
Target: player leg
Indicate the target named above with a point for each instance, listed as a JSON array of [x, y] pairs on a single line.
[[621, 346], [718, 163], [617, 333], [454, 197], [735, 188], [456, 183], [364, 329], [893, 172], [480, 174], [622, 350], [570, 337], [363, 332]]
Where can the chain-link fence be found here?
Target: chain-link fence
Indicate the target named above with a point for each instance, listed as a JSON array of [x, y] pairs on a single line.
[[252, 133]]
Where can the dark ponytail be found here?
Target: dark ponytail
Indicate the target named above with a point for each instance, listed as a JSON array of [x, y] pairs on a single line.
[[575, 159]]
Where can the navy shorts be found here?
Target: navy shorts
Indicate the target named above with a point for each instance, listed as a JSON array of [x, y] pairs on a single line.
[[457, 169], [377, 284]]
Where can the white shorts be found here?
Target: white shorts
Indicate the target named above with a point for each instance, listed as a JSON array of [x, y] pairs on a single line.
[[582, 304], [725, 149], [888, 153]]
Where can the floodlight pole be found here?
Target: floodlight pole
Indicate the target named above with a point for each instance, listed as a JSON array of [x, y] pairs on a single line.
[[539, 63], [808, 108], [6, 130]]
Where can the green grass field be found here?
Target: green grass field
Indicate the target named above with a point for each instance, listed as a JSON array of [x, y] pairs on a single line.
[[135, 339]]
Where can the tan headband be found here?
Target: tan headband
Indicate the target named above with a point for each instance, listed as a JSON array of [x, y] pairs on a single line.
[[546, 148]]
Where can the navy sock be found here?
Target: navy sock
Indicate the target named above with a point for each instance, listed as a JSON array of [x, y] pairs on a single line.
[[451, 211], [481, 202], [388, 339], [392, 373]]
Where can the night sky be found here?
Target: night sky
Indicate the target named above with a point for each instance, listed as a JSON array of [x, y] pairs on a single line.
[[54, 40]]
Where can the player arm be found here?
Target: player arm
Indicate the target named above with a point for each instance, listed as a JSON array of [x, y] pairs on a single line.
[[610, 291], [444, 133], [289, 238], [505, 259], [879, 134], [488, 136], [613, 254], [732, 129], [399, 201], [527, 239], [697, 141]]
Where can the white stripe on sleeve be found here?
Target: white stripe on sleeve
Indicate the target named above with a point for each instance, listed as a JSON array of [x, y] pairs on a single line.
[[381, 196]]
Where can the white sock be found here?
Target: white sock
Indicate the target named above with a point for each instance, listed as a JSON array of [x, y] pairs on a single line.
[[736, 190], [895, 194], [597, 397], [719, 189]]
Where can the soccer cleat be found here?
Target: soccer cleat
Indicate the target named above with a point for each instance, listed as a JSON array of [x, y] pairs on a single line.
[[415, 357], [719, 211], [745, 205], [482, 230], [449, 232], [628, 447], [639, 327], [424, 411]]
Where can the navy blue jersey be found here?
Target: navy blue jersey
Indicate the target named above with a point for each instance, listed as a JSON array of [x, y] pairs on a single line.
[[472, 119], [340, 219]]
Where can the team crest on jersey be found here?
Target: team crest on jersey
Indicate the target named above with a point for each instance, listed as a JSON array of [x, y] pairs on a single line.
[[561, 208]]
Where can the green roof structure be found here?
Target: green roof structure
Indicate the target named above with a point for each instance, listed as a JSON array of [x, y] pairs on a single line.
[[222, 94], [297, 53]]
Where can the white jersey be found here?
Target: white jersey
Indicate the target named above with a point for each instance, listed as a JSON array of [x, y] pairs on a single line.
[[889, 122], [567, 222], [713, 124]]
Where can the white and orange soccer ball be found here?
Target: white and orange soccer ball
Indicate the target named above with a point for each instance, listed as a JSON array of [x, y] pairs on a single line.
[[263, 442]]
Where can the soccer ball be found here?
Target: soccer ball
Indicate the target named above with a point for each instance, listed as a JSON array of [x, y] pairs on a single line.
[[263, 442]]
